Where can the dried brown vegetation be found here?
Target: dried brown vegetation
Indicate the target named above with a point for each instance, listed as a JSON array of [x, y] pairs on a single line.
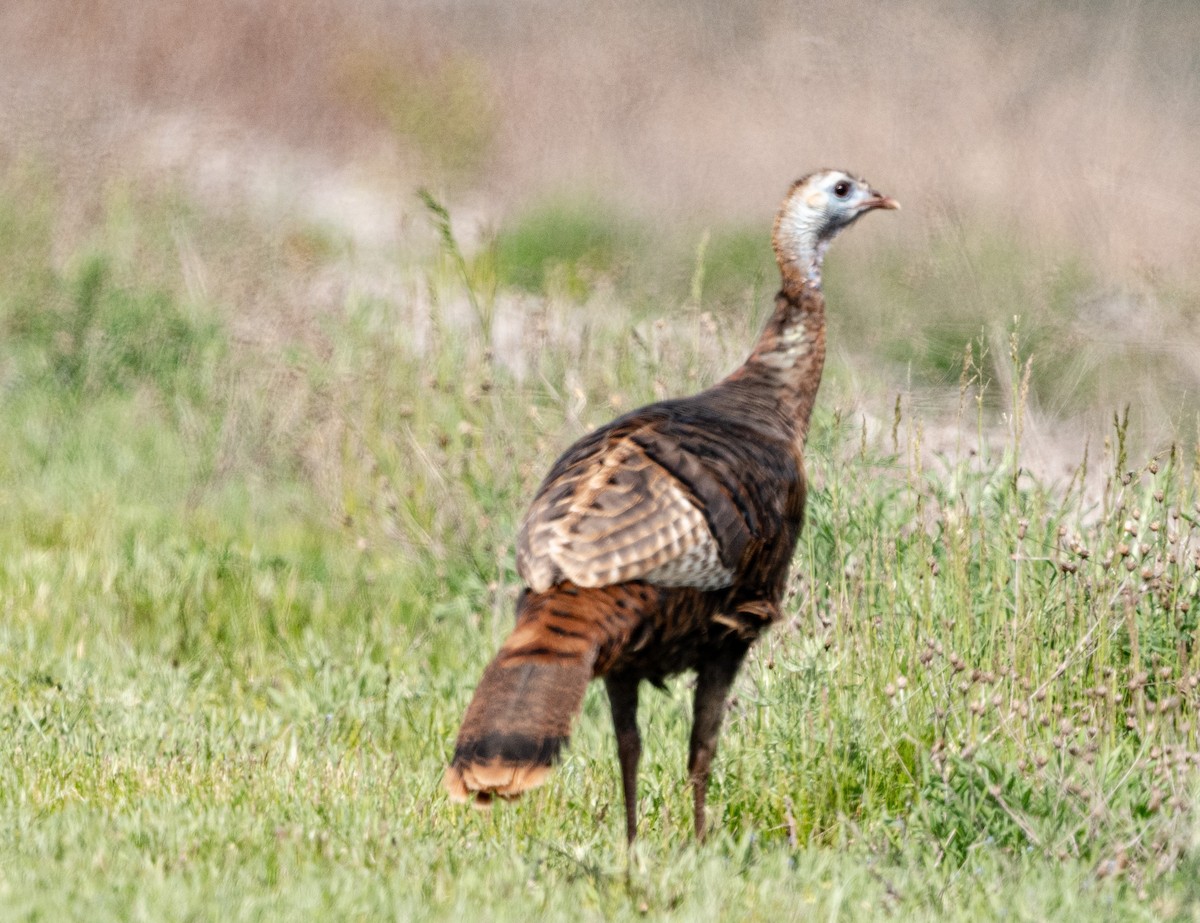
[[1067, 122]]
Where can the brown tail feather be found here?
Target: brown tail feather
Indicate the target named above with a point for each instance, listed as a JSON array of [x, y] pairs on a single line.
[[520, 717]]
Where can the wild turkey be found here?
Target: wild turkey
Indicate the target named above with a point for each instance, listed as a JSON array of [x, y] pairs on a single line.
[[661, 542]]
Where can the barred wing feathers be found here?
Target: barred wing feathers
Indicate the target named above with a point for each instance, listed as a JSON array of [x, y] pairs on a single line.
[[652, 497]]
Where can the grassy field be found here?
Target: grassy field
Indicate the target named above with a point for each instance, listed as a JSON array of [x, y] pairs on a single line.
[[268, 432], [251, 565]]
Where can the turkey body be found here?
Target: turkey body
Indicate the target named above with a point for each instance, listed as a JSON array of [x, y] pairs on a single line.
[[739, 469], [657, 544]]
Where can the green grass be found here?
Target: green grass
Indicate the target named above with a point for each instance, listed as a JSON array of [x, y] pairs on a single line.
[[565, 246], [246, 588]]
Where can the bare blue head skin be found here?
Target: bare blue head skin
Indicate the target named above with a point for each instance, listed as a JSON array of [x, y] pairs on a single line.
[[817, 208]]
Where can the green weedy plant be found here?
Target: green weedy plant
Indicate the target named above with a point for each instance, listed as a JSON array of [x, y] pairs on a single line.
[[1026, 645], [441, 221]]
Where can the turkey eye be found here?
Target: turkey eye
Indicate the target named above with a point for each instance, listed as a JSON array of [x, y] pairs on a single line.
[[842, 189]]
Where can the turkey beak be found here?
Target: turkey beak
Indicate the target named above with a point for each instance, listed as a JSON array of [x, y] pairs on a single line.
[[877, 200]]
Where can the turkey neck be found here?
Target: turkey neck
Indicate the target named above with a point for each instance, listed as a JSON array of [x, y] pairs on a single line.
[[787, 361]]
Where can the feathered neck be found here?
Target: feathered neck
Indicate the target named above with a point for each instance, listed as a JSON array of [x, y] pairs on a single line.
[[785, 365], [800, 238]]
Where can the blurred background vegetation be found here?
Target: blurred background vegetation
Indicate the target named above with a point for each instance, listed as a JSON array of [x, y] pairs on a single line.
[[1042, 151]]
